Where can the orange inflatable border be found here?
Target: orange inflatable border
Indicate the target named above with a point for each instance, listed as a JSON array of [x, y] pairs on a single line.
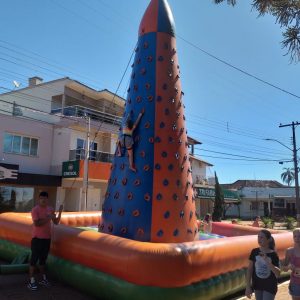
[[147, 264]]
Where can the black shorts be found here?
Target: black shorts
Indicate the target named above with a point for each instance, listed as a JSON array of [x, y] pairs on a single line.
[[39, 251], [127, 141]]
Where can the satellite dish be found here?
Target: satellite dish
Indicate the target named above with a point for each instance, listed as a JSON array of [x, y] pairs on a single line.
[[16, 84]]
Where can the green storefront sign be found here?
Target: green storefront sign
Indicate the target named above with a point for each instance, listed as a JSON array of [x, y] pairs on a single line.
[[210, 193], [70, 169]]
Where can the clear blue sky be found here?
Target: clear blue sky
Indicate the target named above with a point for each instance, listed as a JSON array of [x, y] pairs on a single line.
[[229, 112]]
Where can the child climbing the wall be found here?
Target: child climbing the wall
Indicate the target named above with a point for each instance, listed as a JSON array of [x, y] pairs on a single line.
[[127, 139]]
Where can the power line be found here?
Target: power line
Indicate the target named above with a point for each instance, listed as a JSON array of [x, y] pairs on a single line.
[[54, 64], [238, 69], [236, 155], [242, 159]]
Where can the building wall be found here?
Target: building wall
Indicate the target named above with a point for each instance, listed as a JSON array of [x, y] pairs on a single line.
[[199, 170], [76, 134], [72, 199], [60, 147], [38, 97], [255, 199], [39, 164]]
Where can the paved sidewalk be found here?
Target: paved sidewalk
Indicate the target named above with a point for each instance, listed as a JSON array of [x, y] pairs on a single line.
[[13, 287], [282, 294]]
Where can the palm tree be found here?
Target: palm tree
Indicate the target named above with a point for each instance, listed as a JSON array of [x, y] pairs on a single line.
[[288, 176]]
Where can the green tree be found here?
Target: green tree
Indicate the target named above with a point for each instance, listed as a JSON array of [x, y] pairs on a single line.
[[13, 200], [288, 176], [219, 201], [287, 15]]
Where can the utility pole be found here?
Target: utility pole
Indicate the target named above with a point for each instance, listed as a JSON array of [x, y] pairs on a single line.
[[293, 125], [85, 180]]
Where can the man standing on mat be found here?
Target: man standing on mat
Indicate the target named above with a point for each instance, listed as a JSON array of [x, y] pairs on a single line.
[[42, 215]]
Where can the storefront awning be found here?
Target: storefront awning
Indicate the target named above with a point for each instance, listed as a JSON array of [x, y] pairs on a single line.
[[209, 193]]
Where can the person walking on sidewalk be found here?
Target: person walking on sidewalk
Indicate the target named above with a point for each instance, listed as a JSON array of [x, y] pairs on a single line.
[[42, 216], [263, 269], [292, 262]]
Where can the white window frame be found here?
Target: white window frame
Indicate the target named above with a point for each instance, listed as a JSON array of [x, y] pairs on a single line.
[[19, 152]]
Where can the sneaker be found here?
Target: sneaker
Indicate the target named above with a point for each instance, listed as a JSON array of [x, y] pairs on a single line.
[[45, 282], [32, 286]]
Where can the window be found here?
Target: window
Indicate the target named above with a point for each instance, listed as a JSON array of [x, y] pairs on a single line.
[[279, 203], [18, 144], [16, 199], [80, 144], [80, 152], [254, 205], [80, 149], [93, 150]]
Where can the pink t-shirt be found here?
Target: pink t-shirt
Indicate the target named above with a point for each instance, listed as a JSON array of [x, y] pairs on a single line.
[[40, 212], [295, 275]]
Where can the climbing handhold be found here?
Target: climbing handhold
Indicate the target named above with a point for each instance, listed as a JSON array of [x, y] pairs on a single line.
[[136, 213], [123, 230], [160, 233], [150, 98], [137, 182], [110, 227], [146, 168], [121, 212], [140, 231], [147, 197], [159, 196]]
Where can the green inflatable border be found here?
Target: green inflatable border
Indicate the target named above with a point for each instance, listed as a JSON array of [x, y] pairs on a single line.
[[104, 286]]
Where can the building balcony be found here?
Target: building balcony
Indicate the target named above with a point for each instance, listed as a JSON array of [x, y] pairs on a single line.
[[204, 181], [99, 156], [81, 111]]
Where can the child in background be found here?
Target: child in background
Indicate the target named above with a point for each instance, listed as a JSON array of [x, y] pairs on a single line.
[[292, 262], [256, 222], [207, 224], [263, 269]]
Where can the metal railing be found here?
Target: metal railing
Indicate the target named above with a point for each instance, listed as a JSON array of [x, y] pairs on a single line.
[[199, 179], [81, 111], [79, 154]]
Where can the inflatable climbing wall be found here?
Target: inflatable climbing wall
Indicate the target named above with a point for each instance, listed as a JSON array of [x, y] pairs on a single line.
[[156, 202]]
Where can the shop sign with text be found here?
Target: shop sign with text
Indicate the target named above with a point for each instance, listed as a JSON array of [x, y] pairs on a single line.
[[70, 169]]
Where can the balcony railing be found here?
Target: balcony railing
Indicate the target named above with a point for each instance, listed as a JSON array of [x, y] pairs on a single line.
[[79, 154], [204, 180], [80, 111]]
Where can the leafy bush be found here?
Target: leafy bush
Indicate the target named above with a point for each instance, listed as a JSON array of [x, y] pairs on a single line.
[[290, 222], [268, 222]]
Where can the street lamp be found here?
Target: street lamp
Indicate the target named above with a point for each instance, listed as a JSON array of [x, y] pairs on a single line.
[[294, 150]]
